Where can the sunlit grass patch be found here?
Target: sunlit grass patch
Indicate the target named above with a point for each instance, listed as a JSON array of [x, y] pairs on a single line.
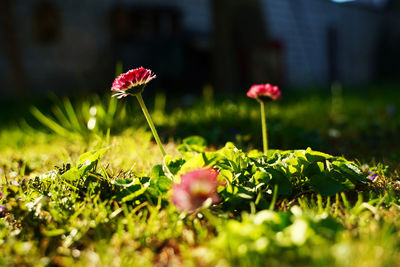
[[105, 198]]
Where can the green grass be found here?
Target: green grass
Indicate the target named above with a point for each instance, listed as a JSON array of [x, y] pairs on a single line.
[[118, 211]]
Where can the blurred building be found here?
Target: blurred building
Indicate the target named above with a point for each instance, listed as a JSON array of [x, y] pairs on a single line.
[[74, 45]]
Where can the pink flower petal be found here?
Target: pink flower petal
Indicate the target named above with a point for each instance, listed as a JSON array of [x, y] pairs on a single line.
[[259, 91], [195, 188], [131, 79]]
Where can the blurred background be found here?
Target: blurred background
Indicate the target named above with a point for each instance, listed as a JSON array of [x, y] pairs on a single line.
[[73, 46], [336, 62]]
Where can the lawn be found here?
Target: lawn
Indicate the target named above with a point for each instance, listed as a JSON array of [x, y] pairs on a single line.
[[83, 182]]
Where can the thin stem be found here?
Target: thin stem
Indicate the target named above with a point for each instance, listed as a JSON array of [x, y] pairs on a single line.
[[273, 201], [209, 216], [151, 124], [264, 127]]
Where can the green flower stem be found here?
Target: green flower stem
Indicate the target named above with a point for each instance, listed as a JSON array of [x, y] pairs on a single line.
[[151, 124], [264, 127], [209, 216]]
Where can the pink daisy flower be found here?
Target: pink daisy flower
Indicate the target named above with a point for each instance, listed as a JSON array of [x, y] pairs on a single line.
[[264, 92], [132, 82], [195, 188]]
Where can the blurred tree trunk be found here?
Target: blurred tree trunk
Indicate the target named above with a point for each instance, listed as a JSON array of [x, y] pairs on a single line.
[[11, 46], [238, 29]]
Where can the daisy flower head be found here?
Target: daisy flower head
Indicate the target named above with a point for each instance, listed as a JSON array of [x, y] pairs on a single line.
[[264, 92], [195, 189], [132, 82]]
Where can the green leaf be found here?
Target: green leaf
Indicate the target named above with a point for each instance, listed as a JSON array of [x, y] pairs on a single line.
[[174, 164], [54, 126], [73, 118], [348, 184], [262, 177], [313, 156], [325, 186], [234, 157], [195, 141], [202, 160], [351, 171], [157, 172], [88, 160], [54, 232], [91, 156], [226, 174], [159, 180], [126, 183], [163, 183], [292, 169], [280, 179], [72, 174], [314, 169], [136, 193], [192, 144], [193, 163], [300, 155], [255, 153], [245, 193]]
